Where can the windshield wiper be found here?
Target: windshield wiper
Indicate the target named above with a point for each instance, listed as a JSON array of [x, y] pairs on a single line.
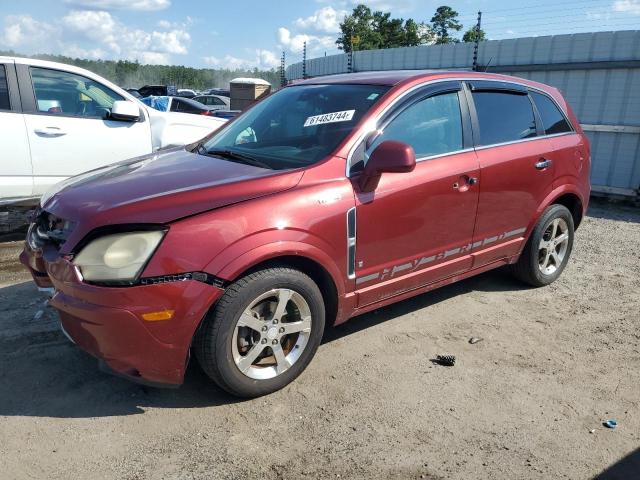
[[234, 156]]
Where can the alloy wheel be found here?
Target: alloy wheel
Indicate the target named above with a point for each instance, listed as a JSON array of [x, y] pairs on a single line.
[[271, 333], [553, 246]]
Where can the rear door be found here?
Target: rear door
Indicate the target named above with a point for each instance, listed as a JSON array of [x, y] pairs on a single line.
[[516, 167], [69, 131], [16, 179], [416, 227]]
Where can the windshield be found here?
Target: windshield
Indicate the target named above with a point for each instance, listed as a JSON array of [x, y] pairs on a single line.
[[296, 126]]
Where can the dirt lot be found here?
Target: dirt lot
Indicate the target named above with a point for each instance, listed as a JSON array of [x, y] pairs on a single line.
[[553, 364]]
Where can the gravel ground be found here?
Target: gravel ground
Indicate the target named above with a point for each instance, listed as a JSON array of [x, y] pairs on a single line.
[[528, 401]]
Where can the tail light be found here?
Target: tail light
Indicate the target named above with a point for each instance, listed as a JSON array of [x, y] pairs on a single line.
[[205, 112]]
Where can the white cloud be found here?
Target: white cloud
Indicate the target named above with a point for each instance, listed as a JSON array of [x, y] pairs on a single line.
[[627, 6], [295, 42], [101, 27], [140, 5], [24, 29], [326, 20], [262, 59], [93, 34]]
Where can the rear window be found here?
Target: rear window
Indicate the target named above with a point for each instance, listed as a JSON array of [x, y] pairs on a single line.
[[504, 117], [4, 90], [553, 121]]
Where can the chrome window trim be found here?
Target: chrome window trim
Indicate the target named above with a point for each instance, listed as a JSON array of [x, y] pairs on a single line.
[[484, 147], [367, 129], [454, 152]]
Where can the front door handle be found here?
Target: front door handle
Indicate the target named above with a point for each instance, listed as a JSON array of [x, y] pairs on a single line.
[[464, 183], [50, 131], [543, 163]]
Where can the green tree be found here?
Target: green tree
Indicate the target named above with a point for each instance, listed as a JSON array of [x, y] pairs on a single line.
[[358, 32], [365, 29], [471, 34], [445, 19], [417, 33]]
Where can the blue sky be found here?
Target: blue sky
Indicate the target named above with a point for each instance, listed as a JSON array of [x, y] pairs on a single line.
[[252, 33]]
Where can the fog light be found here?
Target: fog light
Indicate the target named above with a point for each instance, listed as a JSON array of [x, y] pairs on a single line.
[[158, 316]]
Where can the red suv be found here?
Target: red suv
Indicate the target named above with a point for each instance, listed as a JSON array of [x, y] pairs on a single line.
[[329, 198]]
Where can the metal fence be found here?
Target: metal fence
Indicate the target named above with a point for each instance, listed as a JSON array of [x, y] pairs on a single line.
[[598, 73]]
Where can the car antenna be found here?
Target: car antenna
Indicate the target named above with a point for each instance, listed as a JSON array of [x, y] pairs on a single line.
[[486, 67]]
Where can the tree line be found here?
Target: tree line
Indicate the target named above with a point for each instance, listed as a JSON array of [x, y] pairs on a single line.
[[128, 74], [365, 29]]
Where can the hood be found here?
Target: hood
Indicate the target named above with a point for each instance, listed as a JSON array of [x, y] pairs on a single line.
[[159, 188]]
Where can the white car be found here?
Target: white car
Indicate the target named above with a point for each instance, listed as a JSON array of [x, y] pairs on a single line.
[[58, 120]]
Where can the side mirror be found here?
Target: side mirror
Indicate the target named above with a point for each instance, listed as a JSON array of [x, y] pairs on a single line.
[[125, 111], [390, 156]]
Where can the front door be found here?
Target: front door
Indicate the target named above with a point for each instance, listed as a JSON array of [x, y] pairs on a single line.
[[416, 228], [69, 132]]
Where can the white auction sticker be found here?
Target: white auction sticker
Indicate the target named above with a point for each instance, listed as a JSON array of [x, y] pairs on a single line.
[[333, 117]]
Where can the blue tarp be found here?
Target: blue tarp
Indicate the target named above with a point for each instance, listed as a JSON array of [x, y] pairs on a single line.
[[159, 103]]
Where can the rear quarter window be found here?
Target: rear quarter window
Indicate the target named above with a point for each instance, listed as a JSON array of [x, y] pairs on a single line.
[[553, 121], [504, 117]]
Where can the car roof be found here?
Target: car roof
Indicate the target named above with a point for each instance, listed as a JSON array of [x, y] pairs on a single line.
[[395, 77]]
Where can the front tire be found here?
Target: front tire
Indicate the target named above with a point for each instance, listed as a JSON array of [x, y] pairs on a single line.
[[549, 247], [262, 333]]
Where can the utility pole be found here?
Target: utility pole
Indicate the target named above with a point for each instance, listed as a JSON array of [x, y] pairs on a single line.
[[283, 78], [350, 57], [304, 60], [476, 43]]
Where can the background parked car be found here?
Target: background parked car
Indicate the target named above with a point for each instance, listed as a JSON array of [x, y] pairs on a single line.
[[134, 92], [186, 93], [216, 102], [58, 120], [155, 90], [223, 92], [178, 104]]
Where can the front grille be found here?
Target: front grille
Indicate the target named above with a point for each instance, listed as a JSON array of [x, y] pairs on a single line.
[[47, 229]]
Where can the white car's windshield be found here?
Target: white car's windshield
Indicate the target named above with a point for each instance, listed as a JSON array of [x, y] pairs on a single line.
[[296, 126]]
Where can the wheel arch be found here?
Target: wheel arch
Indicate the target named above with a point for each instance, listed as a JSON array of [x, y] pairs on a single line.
[[314, 270], [304, 257], [573, 204], [567, 195]]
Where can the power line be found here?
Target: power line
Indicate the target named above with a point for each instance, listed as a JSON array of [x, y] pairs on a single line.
[[562, 5], [543, 23], [535, 32]]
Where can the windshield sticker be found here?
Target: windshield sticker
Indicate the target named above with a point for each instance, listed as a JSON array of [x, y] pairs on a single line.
[[373, 96], [333, 117]]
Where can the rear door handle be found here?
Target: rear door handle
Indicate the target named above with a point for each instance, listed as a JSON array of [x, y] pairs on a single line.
[[50, 131], [543, 163]]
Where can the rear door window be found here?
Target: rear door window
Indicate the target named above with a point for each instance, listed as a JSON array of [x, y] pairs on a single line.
[[553, 121], [4, 90], [504, 117]]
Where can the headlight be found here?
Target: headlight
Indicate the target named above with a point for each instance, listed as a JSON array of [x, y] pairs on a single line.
[[117, 257]]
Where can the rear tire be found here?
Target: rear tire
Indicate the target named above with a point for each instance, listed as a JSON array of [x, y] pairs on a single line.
[[262, 333], [548, 249]]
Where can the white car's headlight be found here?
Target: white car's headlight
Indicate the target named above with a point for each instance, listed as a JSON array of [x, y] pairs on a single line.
[[117, 257]]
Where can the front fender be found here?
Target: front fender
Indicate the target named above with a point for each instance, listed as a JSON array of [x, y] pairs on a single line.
[[238, 258]]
